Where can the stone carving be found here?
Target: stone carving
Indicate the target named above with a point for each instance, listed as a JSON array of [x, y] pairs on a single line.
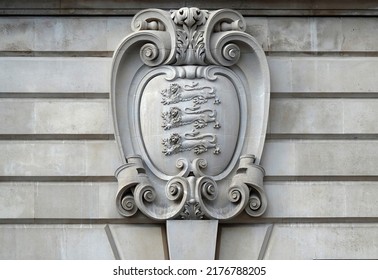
[[195, 82], [195, 141], [190, 40], [200, 118], [176, 93]]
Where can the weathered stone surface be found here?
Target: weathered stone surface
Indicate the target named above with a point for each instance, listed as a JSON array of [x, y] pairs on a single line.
[[318, 115], [282, 34], [341, 199], [51, 74], [54, 242], [242, 242], [116, 7], [320, 158], [323, 241], [287, 115], [101, 158], [58, 200], [295, 74], [139, 242], [323, 74], [58, 158], [67, 200], [348, 66], [293, 115], [95, 200], [16, 200], [55, 116]]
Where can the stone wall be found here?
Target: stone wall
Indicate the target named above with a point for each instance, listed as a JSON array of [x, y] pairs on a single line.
[[58, 154]]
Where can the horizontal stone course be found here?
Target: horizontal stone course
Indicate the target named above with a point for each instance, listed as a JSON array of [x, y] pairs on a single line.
[[58, 158], [54, 242], [130, 7], [54, 74], [320, 157], [102, 158], [323, 116], [288, 74], [323, 241], [55, 116], [96, 200], [287, 116], [103, 34]]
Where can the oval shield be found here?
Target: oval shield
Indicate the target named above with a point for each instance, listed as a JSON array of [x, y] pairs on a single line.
[[189, 116]]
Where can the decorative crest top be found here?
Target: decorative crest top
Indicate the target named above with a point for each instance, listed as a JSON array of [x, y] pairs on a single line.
[[190, 45], [193, 38]]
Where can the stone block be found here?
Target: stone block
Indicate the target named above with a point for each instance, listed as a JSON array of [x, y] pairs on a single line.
[[320, 158], [55, 116], [70, 34], [16, 200], [107, 205], [278, 157], [73, 116], [329, 115], [192, 239], [49, 242], [66, 200], [139, 242], [17, 116], [242, 242], [54, 74], [291, 34], [58, 158], [323, 74], [288, 74], [360, 116], [281, 34], [325, 199], [323, 241], [58, 200], [304, 116], [17, 34]]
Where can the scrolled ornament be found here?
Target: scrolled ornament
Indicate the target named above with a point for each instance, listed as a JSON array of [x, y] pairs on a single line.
[[234, 194], [148, 25], [182, 164], [149, 194], [148, 53], [231, 52], [254, 202], [222, 26], [197, 165], [144, 193], [175, 188], [209, 189], [256, 205], [127, 206]]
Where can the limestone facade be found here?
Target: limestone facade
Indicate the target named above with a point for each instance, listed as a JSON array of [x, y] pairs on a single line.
[[58, 149]]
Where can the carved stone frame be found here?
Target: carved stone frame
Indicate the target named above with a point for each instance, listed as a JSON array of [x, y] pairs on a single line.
[[185, 52]]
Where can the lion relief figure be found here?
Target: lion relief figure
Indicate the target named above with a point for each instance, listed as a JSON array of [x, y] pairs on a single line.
[[176, 93], [199, 143], [177, 117]]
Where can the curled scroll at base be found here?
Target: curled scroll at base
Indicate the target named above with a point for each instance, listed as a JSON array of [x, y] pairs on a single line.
[[129, 176], [251, 175], [135, 192]]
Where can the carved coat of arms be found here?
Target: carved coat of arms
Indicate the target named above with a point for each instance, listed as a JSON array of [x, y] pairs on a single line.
[[190, 97]]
